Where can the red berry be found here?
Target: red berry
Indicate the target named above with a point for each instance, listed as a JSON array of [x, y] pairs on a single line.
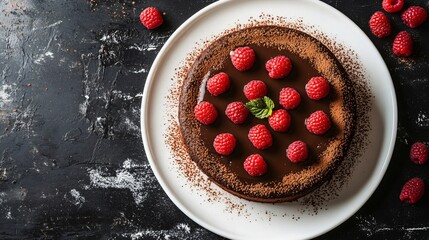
[[317, 88], [218, 84], [412, 191], [403, 44], [151, 18], [379, 25], [318, 122], [205, 112], [260, 137], [414, 16], [289, 98], [242, 58], [419, 153], [279, 120], [255, 89], [255, 165], [224, 143], [392, 5], [278, 67], [236, 112], [297, 151]]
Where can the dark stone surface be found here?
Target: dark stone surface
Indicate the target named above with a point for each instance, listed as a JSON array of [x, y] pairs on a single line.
[[71, 159]]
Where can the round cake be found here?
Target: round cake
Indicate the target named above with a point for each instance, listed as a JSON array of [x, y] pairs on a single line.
[[282, 177]]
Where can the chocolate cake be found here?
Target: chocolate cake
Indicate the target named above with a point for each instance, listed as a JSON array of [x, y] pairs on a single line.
[[284, 180]]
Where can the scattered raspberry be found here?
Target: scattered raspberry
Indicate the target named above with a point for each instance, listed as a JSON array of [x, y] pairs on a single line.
[[403, 44], [318, 122], [392, 5], [236, 112], [379, 25], [414, 16], [289, 98], [255, 89], [419, 153], [205, 113], [279, 120], [224, 143], [297, 151], [278, 67], [151, 18], [260, 137], [242, 58], [255, 165], [412, 190], [317, 88], [218, 84]]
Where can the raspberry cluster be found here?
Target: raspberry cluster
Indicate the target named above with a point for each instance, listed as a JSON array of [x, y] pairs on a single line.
[[261, 106], [412, 17], [413, 190]]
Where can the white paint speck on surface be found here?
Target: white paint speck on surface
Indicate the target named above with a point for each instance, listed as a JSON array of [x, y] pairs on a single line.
[[78, 200], [125, 177], [43, 57], [180, 231], [422, 119]]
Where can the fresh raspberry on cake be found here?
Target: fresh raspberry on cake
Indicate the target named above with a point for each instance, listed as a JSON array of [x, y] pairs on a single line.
[[297, 151], [414, 16], [260, 137], [255, 89], [412, 191], [317, 88], [205, 112], [289, 98], [379, 25], [419, 153], [151, 18], [224, 143], [403, 44], [318, 122], [218, 84], [279, 120], [255, 165], [392, 5], [278, 67], [237, 112], [242, 58]]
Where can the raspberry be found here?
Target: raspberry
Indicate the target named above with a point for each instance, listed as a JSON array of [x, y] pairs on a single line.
[[414, 16], [289, 98], [260, 137], [278, 67], [419, 153], [224, 143], [151, 18], [236, 112], [412, 190], [318, 122], [317, 88], [403, 44], [255, 89], [205, 113], [392, 5], [242, 58], [279, 120], [297, 151], [218, 84], [379, 25], [255, 165]]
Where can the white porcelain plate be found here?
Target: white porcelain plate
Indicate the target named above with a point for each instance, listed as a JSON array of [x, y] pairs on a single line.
[[258, 220]]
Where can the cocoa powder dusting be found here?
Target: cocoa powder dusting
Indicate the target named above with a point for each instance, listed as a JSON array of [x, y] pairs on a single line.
[[315, 201]]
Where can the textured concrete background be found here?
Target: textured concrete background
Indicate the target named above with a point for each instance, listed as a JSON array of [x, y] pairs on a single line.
[[72, 162]]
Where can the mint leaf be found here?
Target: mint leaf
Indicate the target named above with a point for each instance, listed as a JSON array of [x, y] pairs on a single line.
[[261, 107]]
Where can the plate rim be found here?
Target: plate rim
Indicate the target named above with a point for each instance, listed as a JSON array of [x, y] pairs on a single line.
[[149, 83]]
